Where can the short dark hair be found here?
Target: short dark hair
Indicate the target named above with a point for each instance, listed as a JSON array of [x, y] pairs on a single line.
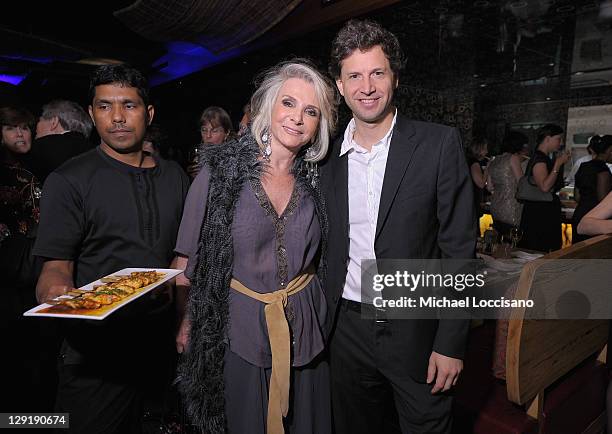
[[548, 130], [600, 144], [363, 35], [14, 116], [122, 74], [514, 141], [475, 147], [156, 135]]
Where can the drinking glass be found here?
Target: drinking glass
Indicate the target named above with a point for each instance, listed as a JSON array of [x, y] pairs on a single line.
[[515, 235], [195, 154]]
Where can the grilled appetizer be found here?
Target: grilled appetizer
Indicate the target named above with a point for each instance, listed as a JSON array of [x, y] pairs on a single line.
[[115, 289]]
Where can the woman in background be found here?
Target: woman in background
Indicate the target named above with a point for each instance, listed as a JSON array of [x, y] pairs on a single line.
[[504, 171], [30, 365], [476, 154], [215, 129], [215, 125], [593, 181], [19, 199], [541, 221]]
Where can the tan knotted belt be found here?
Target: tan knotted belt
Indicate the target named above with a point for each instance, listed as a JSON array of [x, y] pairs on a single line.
[[280, 344]]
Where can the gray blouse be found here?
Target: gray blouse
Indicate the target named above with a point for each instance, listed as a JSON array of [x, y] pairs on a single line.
[[269, 251]]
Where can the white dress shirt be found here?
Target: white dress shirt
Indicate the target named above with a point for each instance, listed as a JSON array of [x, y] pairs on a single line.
[[570, 178], [366, 171]]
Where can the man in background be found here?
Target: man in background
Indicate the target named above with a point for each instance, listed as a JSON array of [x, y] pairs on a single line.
[[62, 132]]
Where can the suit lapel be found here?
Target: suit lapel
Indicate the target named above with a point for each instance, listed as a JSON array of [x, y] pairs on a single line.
[[341, 192], [401, 150]]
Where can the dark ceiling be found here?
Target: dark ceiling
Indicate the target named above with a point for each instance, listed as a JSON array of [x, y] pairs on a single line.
[[48, 38], [54, 43], [43, 42]]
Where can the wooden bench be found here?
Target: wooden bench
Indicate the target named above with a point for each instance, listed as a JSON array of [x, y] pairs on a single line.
[[555, 372]]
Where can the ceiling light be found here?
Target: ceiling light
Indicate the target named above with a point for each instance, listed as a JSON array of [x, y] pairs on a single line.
[[566, 8], [551, 64], [518, 4], [579, 73], [98, 61], [589, 7], [483, 85], [12, 79], [547, 98]]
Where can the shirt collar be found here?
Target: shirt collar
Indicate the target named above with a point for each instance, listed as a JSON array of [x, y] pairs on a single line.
[[127, 167], [348, 143]]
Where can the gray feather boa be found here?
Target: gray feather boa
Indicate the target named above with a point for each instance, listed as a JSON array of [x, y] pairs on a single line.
[[200, 372]]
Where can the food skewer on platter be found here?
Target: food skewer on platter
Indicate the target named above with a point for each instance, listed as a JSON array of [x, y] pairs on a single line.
[[114, 289]]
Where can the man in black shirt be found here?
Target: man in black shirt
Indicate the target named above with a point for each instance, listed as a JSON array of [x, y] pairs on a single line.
[[107, 209]]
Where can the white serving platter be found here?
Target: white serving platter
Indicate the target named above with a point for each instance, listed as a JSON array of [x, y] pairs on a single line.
[[49, 310]]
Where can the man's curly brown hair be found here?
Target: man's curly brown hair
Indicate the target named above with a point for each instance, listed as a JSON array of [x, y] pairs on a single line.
[[363, 35]]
